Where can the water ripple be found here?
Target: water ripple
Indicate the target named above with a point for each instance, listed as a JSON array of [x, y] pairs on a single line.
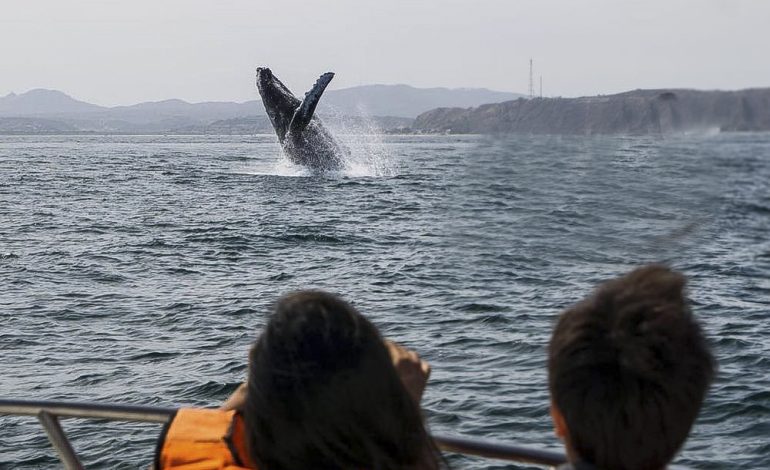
[[138, 269]]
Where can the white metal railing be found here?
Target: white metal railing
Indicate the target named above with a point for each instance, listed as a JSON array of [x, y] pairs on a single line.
[[49, 412]]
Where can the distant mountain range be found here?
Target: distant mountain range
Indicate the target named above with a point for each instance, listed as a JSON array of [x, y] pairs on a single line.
[[51, 111], [41, 102]]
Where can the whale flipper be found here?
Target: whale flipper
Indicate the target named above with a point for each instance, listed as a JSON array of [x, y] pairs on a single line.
[[304, 112]]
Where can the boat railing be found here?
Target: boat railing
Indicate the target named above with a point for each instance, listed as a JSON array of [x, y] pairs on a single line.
[[49, 412]]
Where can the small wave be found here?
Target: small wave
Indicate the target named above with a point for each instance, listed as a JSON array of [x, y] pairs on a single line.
[[109, 296], [35, 461], [75, 295], [156, 243], [67, 314], [720, 413], [481, 307], [183, 271], [178, 306], [280, 277], [184, 181], [89, 379], [755, 208], [280, 167], [88, 231], [228, 240], [153, 355], [495, 319], [209, 229], [108, 278], [310, 237], [99, 257], [762, 396], [243, 311], [15, 341], [733, 342], [208, 390]]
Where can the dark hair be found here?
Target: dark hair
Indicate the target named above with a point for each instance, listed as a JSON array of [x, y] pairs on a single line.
[[323, 393], [628, 368]]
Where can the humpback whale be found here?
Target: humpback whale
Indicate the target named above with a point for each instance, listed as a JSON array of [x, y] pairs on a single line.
[[301, 134]]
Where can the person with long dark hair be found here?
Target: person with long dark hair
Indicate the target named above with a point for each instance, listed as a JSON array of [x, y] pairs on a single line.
[[324, 391]]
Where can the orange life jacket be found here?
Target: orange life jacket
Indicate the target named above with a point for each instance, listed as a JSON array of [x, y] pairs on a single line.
[[203, 439]]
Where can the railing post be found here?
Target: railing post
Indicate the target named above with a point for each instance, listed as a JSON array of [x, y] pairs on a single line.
[[496, 450], [59, 441]]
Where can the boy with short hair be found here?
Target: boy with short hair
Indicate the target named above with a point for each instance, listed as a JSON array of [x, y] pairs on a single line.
[[628, 369]]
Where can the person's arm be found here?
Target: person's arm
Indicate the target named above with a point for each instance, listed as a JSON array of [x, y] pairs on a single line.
[[412, 370], [236, 400]]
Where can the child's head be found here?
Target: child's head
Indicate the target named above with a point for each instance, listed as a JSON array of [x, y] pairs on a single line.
[[628, 369]]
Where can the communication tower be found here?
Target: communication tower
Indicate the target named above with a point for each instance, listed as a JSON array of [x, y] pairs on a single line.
[[531, 83]]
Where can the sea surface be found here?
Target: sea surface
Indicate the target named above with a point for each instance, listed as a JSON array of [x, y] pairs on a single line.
[[139, 270]]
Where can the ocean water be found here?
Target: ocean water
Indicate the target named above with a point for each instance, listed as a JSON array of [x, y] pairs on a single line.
[[139, 270]]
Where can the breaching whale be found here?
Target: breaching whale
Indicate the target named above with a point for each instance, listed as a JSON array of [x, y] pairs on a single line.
[[302, 135]]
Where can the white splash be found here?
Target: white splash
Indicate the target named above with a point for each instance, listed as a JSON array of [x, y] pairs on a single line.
[[361, 135], [368, 155]]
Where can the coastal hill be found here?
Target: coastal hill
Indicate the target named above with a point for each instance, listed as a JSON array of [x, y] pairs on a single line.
[[41, 102], [407, 101], [51, 111], [634, 112]]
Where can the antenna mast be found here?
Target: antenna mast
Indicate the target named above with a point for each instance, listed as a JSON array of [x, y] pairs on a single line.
[[531, 83], [541, 86]]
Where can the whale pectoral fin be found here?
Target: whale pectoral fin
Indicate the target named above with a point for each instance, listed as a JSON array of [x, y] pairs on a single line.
[[304, 112]]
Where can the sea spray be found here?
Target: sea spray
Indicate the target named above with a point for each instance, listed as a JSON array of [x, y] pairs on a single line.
[[364, 138]]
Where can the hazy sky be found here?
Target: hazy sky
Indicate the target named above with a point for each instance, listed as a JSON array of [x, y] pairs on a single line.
[[120, 52]]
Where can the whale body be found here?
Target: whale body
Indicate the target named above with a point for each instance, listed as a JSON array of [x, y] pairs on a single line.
[[303, 137]]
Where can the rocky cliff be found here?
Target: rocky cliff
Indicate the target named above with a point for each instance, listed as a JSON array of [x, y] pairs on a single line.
[[633, 112]]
